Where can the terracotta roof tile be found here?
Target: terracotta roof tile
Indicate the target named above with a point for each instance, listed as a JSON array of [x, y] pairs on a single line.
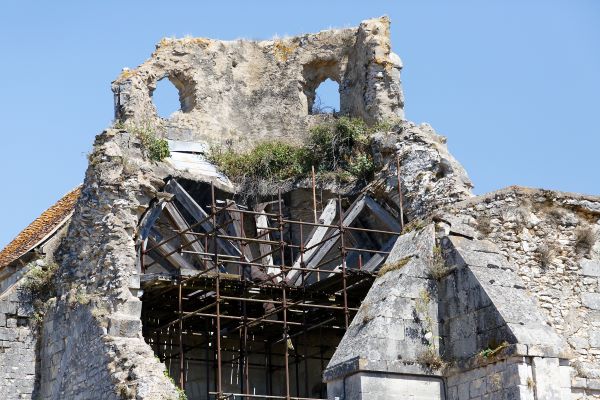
[[40, 228]]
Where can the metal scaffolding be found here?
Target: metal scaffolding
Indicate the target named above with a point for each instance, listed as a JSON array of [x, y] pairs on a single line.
[[279, 300]]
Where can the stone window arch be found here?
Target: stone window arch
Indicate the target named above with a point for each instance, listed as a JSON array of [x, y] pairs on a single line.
[[186, 93], [314, 74]]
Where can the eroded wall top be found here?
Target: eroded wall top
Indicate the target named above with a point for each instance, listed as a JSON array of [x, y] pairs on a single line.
[[245, 91]]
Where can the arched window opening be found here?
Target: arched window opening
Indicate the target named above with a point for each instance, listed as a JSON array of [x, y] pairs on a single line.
[[166, 98], [327, 98]]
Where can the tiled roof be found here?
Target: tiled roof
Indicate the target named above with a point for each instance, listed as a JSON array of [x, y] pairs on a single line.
[[44, 225]]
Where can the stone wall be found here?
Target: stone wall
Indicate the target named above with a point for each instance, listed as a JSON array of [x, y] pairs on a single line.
[[430, 176], [524, 378], [484, 304], [246, 91], [395, 334], [17, 346], [541, 233], [92, 346]]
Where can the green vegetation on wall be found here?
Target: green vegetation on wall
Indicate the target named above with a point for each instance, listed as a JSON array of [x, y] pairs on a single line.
[[340, 147]]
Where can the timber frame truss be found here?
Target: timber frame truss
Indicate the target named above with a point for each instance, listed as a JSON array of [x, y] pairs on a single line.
[[222, 271]]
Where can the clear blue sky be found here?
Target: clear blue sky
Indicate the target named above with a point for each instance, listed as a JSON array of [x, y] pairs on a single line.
[[513, 84]]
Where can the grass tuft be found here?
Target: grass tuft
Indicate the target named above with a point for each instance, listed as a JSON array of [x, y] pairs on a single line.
[[431, 359], [388, 267], [546, 253], [438, 269]]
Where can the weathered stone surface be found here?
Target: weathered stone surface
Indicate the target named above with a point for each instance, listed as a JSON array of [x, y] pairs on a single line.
[[430, 176], [536, 231], [591, 300], [397, 321], [247, 91], [590, 267]]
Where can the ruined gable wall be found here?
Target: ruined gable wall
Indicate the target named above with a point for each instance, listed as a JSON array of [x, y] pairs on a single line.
[[247, 91]]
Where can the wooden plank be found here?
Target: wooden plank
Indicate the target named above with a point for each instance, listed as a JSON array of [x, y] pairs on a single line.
[[199, 214], [166, 248], [353, 211], [382, 215], [190, 240], [262, 231], [150, 219], [378, 258], [238, 229], [316, 235]]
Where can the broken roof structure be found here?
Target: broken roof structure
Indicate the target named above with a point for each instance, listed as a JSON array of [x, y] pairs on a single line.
[[159, 279]]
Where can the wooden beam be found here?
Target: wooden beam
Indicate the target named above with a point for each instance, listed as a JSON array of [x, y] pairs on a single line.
[[199, 214], [188, 239], [166, 248], [353, 211], [378, 258], [316, 235], [150, 219], [238, 229], [265, 249], [382, 215]]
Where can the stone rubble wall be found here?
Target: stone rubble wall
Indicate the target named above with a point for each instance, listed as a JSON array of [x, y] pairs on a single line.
[[245, 91], [526, 225], [430, 176], [92, 345]]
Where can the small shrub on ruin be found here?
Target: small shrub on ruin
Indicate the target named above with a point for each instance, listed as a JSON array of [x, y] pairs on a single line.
[[267, 160], [546, 253], [155, 147], [530, 383], [338, 149], [37, 288], [585, 238], [556, 215], [431, 359], [484, 225], [39, 282], [180, 393], [414, 225], [490, 353], [438, 269]]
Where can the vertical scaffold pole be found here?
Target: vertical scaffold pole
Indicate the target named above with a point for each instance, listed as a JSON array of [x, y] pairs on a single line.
[[343, 254], [181, 354], [400, 199], [217, 292]]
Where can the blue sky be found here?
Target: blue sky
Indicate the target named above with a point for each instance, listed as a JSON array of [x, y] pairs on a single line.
[[514, 85]]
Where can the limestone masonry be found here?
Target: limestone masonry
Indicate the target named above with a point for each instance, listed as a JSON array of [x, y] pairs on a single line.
[[383, 277]]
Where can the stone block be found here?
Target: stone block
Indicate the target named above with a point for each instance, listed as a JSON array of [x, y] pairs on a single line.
[[463, 390], [590, 267], [124, 327], [477, 387], [546, 372], [591, 300], [594, 340]]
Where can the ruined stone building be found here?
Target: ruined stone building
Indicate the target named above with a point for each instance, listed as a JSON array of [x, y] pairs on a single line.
[[165, 276]]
